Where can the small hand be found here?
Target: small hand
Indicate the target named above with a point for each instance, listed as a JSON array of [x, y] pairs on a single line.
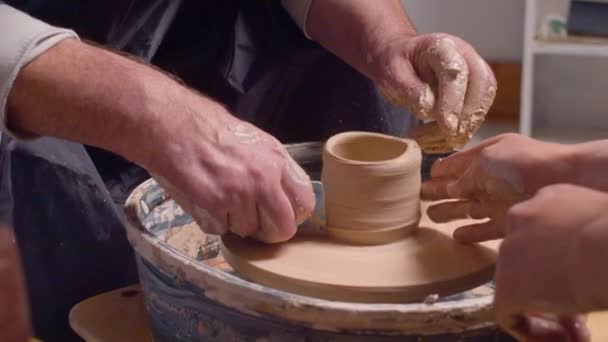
[[438, 76], [489, 178], [543, 266], [232, 176]]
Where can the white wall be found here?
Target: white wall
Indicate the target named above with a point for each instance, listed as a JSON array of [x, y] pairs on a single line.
[[493, 27]]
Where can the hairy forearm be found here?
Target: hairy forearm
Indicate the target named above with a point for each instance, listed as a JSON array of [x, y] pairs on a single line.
[[356, 30], [83, 93]]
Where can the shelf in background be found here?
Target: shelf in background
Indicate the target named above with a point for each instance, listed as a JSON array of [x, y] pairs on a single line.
[[574, 46], [568, 135]]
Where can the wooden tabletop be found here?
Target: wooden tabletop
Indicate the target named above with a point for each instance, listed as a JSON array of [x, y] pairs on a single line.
[[120, 315]]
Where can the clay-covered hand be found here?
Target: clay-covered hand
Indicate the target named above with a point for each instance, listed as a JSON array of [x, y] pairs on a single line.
[[233, 176], [551, 259], [229, 174], [437, 76], [489, 178]]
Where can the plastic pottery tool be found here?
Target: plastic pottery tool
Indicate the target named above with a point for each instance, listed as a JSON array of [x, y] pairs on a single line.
[[316, 222]]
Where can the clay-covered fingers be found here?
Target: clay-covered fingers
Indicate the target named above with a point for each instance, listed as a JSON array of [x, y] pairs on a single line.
[[452, 73], [493, 229], [435, 189], [438, 189], [298, 189], [480, 93], [456, 164], [467, 186], [403, 87], [209, 221], [276, 215], [455, 210], [243, 218]]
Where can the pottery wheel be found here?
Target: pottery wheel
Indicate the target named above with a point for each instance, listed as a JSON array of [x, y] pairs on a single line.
[[407, 270]]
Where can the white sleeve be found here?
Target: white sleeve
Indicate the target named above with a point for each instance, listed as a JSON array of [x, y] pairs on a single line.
[[298, 11], [22, 38]]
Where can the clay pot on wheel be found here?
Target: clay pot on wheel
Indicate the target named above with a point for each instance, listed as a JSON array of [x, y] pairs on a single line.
[[372, 187]]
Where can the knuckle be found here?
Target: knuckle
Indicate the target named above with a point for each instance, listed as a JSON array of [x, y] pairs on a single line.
[[440, 36], [232, 187], [554, 193], [560, 187], [219, 199], [510, 136], [520, 215], [485, 155], [257, 174], [551, 191]]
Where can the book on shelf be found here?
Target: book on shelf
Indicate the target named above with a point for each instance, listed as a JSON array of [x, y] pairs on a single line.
[[588, 18]]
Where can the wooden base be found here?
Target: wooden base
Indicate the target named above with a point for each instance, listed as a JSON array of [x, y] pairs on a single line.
[[407, 270], [124, 319], [118, 315]]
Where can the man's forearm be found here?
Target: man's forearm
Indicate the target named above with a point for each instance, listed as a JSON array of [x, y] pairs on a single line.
[[79, 92], [355, 30]]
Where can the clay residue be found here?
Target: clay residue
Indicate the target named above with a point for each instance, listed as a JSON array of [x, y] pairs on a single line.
[[245, 134], [189, 239], [200, 215], [452, 71], [432, 140]]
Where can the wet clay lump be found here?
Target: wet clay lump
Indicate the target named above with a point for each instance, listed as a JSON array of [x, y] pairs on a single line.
[[372, 187]]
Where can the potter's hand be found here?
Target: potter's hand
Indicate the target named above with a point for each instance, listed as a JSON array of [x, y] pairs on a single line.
[[228, 174], [552, 256], [234, 177], [491, 177], [438, 76], [434, 75]]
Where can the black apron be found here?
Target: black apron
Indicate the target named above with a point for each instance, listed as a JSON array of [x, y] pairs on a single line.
[[64, 200]]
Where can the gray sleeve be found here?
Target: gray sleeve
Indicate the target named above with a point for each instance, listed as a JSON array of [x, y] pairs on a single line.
[[22, 38], [298, 11]]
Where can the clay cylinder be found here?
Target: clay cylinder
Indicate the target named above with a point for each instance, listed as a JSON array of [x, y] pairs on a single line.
[[372, 187]]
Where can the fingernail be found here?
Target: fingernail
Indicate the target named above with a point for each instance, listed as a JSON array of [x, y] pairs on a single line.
[[451, 122], [461, 236]]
